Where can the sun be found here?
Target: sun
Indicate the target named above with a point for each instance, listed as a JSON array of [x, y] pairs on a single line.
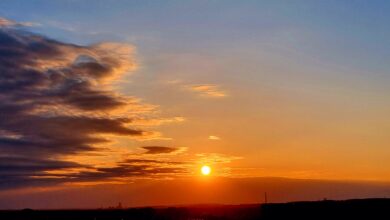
[[206, 170]]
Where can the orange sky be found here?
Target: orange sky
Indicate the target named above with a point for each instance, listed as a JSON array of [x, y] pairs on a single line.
[[191, 191]]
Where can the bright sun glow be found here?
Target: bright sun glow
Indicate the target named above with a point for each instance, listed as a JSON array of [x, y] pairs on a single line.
[[206, 170]]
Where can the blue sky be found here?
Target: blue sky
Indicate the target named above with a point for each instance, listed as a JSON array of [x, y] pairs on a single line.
[[328, 30]]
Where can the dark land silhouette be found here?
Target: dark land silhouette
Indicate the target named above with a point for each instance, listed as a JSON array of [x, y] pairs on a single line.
[[326, 209]]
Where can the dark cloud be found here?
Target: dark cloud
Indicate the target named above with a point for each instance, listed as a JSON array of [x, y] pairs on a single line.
[[18, 165], [127, 170], [159, 149], [55, 102], [22, 172], [148, 161]]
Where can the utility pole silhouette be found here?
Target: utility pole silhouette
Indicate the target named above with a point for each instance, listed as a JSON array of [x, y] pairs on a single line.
[[265, 198]]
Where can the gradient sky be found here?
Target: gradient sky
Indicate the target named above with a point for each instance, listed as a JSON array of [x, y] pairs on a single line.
[[131, 92]]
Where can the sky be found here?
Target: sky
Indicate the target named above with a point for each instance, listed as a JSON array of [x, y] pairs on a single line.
[[116, 99]]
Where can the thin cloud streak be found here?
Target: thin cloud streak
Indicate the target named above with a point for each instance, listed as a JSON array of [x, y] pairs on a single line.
[[214, 138], [4, 22], [159, 150], [208, 90], [203, 90]]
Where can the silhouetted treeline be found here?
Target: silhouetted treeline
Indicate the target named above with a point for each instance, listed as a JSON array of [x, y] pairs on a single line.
[[173, 213], [327, 209], [349, 209]]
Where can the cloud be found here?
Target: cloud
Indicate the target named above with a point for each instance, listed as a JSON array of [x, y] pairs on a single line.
[[50, 92], [216, 158], [160, 150], [214, 138], [156, 121], [204, 90], [10, 23], [19, 165], [24, 172], [57, 101], [207, 90], [128, 169]]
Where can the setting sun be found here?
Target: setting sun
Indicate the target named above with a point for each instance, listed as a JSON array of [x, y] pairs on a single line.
[[206, 170]]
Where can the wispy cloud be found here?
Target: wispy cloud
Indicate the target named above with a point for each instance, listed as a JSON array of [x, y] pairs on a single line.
[[208, 90], [203, 90], [216, 158], [156, 121], [9, 23], [214, 138], [162, 150]]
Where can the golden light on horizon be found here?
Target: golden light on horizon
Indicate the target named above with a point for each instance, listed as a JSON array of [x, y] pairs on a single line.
[[206, 170]]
